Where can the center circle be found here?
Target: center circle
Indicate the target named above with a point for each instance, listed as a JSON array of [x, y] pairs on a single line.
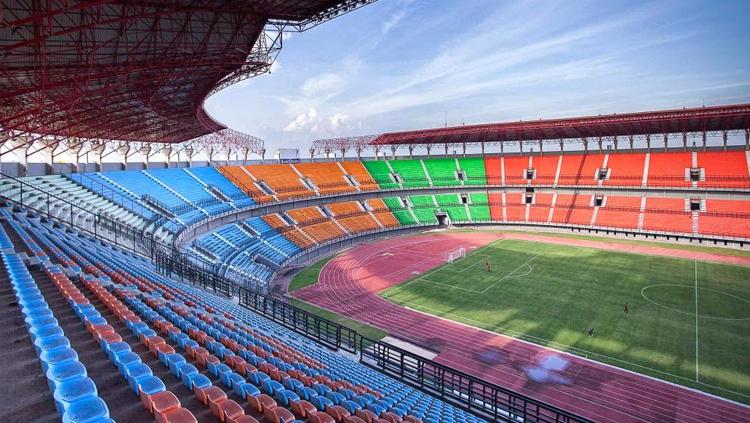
[[681, 299]]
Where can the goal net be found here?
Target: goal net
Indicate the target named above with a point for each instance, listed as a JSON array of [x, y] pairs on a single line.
[[452, 256]]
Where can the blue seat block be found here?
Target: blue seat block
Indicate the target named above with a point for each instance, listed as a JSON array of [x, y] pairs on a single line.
[[51, 343], [200, 381], [245, 390], [64, 372], [321, 402], [73, 390], [124, 359], [58, 356], [174, 361], [134, 372], [151, 385], [87, 410]]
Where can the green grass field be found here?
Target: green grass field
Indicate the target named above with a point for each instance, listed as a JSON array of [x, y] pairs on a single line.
[[689, 322]]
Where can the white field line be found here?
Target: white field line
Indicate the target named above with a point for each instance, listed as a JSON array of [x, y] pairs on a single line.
[[404, 285], [578, 352], [452, 286], [511, 273], [696, 319]]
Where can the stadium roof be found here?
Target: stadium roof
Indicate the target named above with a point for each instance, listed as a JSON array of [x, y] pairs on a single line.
[[135, 70], [719, 118]]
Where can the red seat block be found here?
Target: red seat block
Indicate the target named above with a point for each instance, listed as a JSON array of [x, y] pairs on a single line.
[[243, 419], [302, 408], [320, 418], [179, 415], [261, 402], [412, 419], [227, 409], [337, 412], [160, 403], [390, 417], [366, 415], [210, 394], [278, 415]]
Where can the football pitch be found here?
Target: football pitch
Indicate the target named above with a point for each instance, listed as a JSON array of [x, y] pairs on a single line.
[[688, 321]]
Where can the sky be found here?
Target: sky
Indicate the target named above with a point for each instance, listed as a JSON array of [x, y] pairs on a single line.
[[404, 64]]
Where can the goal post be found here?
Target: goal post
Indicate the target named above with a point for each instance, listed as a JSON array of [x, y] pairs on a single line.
[[454, 255]]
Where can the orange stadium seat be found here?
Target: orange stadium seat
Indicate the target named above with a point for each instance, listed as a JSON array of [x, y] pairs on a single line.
[[669, 169], [352, 217], [546, 169], [724, 169], [306, 215], [667, 215], [729, 218], [282, 179], [588, 172], [619, 212], [382, 214], [328, 177], [492, 170], [515, 170], [496, 205], [539, 211], [243, 181], [515, 209], [625, 169], [582, 210], [571, 166], [562, 208], [358, 171]]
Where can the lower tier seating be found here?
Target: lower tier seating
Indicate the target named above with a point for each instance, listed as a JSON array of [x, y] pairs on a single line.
[[185, 354]]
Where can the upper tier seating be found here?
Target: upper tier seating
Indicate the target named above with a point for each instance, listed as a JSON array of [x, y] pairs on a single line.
[[211, 178], [724, 169], [474, 170], [281, 178], [515, 168], [515, 207], [328, 177], [539, 210], [725, 218], [381, 173], [359, 173], [411, 172], [669, 169], [442, 171], [545, 168], [479, 208], [227, 357], [625, 169], [246, 182], [493, 170]]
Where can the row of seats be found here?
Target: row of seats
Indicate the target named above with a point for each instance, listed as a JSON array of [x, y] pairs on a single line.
[[716, 169], [254, 361], [726, 218], [75, 394]]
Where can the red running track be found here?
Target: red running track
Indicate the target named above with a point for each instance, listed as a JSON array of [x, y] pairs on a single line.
[[348, 285]]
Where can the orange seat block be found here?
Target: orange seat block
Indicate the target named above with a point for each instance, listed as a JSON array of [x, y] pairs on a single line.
[[160, 403], [242, 419]]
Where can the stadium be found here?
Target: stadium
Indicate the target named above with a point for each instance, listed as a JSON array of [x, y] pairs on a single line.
[[158, 266]]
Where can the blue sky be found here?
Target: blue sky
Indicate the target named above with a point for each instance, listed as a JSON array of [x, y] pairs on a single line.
[[400, 64]]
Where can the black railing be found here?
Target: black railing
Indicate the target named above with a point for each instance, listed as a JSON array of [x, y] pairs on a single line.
[[482, 398], [323, 331]]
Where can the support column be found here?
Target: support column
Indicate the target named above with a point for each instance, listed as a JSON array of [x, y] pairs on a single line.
[[124, 150], [312, 154], [747, 139], [166, 152], [393, 153], [704, 141], [262, 155], [630, 141], [359, 153], [502, 148], [145, 152], [98, 155], [464, 149], [411, 151], [562, 145], [328, 154], [520, 146], [446, 149], [599, 141], [585, 142], [429, 148], [482, 146], [666, 142], [725, 137], [343, 154], [541, 148], [648, 142], [616, 142], [377, 153], [684, 141]]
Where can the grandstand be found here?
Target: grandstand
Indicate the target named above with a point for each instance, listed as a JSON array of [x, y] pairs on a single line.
[[155, 290]]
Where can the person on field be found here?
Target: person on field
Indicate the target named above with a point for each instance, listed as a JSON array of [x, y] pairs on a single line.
[[487, 263], [626, 309], [590, 331]]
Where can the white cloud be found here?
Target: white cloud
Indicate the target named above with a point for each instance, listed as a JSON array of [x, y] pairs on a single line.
[[303, 121], [391, 22], [322, 84]]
